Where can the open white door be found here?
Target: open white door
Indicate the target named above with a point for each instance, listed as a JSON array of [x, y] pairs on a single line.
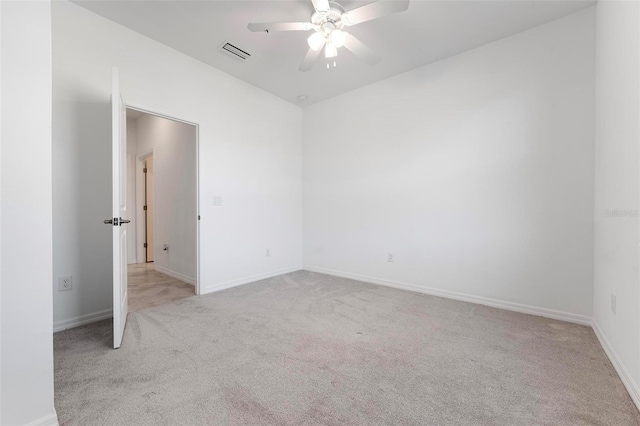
[[119, 210]]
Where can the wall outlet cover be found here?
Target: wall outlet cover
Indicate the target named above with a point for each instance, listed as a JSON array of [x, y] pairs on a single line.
[[65, 283]]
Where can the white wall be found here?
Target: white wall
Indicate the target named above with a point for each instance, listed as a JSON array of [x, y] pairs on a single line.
[[475, 171], [249, 154], [26, 383], [617, 187], [174, 184]]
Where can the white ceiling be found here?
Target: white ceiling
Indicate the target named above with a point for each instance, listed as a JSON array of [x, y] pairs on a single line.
[[428, 31]]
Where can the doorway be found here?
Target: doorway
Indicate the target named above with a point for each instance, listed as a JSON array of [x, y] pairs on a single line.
[[163, 245]]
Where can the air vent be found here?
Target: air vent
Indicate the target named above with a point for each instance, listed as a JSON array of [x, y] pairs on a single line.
[[234, 51]]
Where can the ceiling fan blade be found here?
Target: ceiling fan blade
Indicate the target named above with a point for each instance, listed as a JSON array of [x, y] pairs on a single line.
[[280, 26], [310, 59], [361, 50], [374, 10], [321, 5]]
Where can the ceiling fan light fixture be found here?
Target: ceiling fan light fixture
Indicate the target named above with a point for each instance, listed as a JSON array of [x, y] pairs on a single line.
[[338, 38], [315, 41], [330, 51]]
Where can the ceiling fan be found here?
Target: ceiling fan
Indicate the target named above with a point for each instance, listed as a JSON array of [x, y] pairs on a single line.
[[328, 21]]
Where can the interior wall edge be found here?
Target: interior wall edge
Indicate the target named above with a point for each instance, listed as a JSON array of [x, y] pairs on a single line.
[[463, 297], [27, 379], [632, 387]]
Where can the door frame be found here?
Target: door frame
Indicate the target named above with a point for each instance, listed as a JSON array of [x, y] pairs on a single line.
[[170, 116], [142, 201]]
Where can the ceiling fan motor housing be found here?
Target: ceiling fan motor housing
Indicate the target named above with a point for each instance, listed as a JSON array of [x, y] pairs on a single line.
[[326, 22]]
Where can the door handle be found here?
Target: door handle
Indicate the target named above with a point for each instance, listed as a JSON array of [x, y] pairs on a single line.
[[115, 221]]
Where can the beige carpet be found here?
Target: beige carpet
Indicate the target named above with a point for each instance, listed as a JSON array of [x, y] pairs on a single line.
[[148, 287], [310, 349]]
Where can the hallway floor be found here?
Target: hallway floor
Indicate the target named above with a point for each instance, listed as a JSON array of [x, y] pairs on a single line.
[[148, 287]]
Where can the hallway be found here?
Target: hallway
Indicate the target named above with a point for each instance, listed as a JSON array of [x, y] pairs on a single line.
[[148, 288]]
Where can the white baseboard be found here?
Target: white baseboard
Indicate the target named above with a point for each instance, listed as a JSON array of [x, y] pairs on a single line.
[[627, 380], [174, 274], [247, 280], [82, 320], [49, 420], [510, 306]]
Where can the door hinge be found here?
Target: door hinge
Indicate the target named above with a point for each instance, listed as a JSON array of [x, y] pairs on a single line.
[[144, 170], [145, 207], [198, 217], [145, 245]]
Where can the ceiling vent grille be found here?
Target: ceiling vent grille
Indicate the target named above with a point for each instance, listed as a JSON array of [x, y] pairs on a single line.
[[234, 51]]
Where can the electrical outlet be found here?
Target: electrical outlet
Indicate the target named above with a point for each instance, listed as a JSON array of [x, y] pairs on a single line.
[[613, 303], [217, 200], [267, 253], [390, 257], [65, 283]]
